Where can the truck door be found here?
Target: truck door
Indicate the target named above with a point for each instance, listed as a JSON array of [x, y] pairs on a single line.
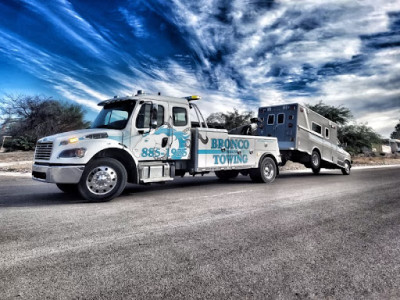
[[178, 131], [150, 143]]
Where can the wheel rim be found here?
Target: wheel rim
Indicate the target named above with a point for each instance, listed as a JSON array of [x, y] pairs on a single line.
[[269, 170], [101, 180], [315, 160]]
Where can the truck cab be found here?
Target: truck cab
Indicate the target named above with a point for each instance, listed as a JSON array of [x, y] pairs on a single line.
[[144, 139]]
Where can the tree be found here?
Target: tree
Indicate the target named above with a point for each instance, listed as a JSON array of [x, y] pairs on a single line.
[[230, 120], [37, 116], [396, 133], [339, 114], [357, 137]]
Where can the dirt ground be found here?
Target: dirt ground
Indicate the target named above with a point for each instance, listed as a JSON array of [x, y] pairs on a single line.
[[21, 161], [18, 161]]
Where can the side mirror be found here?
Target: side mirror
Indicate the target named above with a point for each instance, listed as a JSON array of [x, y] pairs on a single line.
[[153, 116]]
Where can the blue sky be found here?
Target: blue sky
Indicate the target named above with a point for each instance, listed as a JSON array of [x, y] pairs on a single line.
[[239, 53]]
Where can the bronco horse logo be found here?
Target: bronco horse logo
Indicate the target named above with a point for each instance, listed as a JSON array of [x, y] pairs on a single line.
[[183, 138]]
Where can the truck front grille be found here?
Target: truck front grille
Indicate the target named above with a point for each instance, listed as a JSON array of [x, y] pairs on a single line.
[[43, 150]]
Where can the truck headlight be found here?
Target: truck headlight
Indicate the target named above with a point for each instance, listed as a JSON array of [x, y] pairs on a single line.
[[76, 152]]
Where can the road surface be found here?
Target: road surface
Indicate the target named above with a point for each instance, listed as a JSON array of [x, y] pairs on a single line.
[[303, 236]]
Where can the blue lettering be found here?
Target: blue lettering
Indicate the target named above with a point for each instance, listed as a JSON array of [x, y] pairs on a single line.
[[240, 144], [234, 144], [214, 143], [227, 145], [245, 158], [220, 143], [246, 144], [215, 159], [222, 159]]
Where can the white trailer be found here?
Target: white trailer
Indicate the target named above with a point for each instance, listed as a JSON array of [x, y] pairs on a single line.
[[144, 139], [304, 136]]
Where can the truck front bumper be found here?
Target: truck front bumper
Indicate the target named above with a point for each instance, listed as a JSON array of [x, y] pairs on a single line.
[[57, 174]]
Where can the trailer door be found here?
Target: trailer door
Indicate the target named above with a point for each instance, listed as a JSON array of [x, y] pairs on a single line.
[[280, 122]]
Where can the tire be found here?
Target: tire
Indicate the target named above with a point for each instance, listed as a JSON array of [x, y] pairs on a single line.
[[346, 169], [266, 172], [315, 162], [68, 188], [226, 175], [102, 180]]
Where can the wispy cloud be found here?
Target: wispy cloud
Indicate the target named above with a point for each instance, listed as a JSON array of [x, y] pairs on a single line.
[[241, 54]]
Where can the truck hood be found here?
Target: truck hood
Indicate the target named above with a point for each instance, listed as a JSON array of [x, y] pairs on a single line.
[[85, 134]]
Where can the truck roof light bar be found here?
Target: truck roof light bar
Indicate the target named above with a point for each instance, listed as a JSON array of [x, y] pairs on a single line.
[[193, 97]]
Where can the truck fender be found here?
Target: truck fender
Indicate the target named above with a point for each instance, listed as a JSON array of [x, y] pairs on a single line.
[[125, 157]]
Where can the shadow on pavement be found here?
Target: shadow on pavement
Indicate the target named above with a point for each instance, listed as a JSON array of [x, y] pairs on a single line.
[[37, 197]]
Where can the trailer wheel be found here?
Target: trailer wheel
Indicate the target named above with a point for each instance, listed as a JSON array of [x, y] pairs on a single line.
[[315, 162], [266, 172], [346, 169], [68, 188], [226, 175], [102, 180]]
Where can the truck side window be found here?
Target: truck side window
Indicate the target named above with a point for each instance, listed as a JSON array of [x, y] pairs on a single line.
[[179, 116], [327, 133], [271, 120], [281, 118], [160, 116], [316, 128], [143, 118]]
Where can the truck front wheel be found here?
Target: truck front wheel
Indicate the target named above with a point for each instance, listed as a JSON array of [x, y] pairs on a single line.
[[266, 172], [102, 180], [315, 162], [346, 169]]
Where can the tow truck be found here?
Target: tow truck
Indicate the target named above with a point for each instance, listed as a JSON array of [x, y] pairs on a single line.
[[143, 139]]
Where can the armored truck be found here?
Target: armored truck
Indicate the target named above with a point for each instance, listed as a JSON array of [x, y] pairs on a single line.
[[304, 136]]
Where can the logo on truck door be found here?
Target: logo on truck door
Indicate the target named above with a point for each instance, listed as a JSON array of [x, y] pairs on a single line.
[[183, 139]]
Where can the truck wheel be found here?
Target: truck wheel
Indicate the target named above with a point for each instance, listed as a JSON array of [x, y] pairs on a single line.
[[102, 180], [315, 162], [68, 188], [226, 175], [266, 172], [346, 169]]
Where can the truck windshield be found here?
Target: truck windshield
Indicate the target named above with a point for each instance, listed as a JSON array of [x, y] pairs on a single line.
[[114, 115]]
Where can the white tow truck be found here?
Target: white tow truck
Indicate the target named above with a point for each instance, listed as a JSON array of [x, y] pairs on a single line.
[[145, 139]]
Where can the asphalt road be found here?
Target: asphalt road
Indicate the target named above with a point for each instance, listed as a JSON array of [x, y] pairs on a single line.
[[303, 236]]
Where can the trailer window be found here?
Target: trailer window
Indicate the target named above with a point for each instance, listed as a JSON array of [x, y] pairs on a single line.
[[180, 116], [143, 118], [271, 120], [316, 128], [327, 133], [281, 118]]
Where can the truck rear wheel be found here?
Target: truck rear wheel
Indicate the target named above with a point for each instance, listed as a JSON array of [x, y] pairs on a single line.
[[102, 180], [68, 188], [226, 175], [315, 162], [346, 169], [266, 172]]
